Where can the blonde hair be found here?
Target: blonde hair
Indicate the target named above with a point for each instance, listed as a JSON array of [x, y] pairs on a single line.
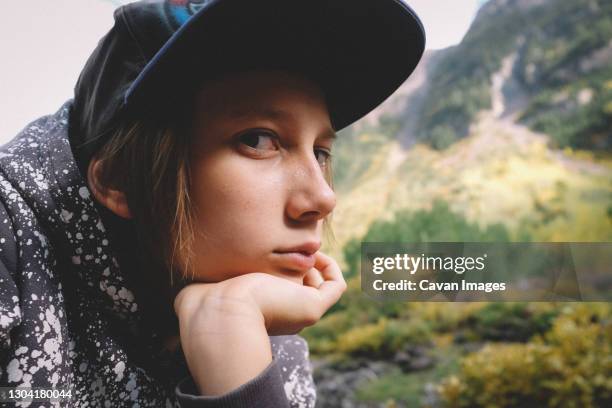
[[150, 164]]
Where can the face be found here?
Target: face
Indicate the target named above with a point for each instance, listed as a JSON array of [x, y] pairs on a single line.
[[261, 146]]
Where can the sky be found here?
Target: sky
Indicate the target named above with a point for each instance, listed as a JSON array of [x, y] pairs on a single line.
[[46, 44]]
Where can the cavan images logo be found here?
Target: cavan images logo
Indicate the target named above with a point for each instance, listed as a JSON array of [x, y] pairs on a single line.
[[182, 10]]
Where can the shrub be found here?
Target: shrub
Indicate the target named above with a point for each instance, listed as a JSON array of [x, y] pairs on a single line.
[[384, 338], [510, 321], [569, 366]]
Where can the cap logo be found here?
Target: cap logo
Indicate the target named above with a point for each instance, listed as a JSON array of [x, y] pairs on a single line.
[[182, 10]]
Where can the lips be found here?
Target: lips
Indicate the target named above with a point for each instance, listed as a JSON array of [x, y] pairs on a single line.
[[296, 260], [299, 256], [307, 248]]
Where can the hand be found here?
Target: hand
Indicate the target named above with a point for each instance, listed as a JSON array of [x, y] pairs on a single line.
[[284, 306], [288, 307], [240, 313]]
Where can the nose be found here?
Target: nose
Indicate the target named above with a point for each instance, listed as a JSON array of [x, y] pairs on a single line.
[[311, 198]]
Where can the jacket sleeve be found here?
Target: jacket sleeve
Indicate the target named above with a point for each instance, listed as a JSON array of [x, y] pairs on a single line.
[[263, 391], [10, 312]]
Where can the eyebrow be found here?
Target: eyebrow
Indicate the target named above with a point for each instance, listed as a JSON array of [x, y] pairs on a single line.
[[272, 114]]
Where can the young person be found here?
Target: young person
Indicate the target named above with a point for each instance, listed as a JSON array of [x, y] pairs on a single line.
[[160, 232]]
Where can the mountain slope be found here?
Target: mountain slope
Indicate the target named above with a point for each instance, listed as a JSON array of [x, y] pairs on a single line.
[[560, 71]]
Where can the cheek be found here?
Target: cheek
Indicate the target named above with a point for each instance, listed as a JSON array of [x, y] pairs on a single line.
[[239, 212], [236, 189]]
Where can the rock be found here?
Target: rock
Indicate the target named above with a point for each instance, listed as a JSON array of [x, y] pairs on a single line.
[[413, 358], [337, 382]]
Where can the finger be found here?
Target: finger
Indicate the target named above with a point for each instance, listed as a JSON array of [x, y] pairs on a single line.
[[328, 267], [313, 278], [334, 284]]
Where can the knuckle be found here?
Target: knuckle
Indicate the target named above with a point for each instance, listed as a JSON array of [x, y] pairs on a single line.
[[313, 314], [182, 300], [309, 321]]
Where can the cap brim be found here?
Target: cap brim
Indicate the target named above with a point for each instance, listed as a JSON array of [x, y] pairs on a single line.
[[359, 51]]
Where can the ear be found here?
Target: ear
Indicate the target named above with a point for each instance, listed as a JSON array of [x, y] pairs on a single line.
[[114, 200]]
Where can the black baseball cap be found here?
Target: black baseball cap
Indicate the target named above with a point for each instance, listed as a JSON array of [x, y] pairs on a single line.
[[358, 51]]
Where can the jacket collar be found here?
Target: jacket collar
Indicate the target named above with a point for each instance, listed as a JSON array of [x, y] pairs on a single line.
[[76, 220]]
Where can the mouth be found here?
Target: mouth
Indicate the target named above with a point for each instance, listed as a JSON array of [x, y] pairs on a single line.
[[301, 256], [296, 260]]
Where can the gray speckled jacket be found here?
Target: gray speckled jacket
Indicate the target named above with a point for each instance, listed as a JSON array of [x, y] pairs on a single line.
[[68, 315]]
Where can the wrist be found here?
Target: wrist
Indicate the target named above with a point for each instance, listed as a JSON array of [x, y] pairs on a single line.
[[212, 325], [215, 300], [227, 350]]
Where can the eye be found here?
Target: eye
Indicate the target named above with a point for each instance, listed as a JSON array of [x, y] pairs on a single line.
[[259, 139], [323, 156]]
